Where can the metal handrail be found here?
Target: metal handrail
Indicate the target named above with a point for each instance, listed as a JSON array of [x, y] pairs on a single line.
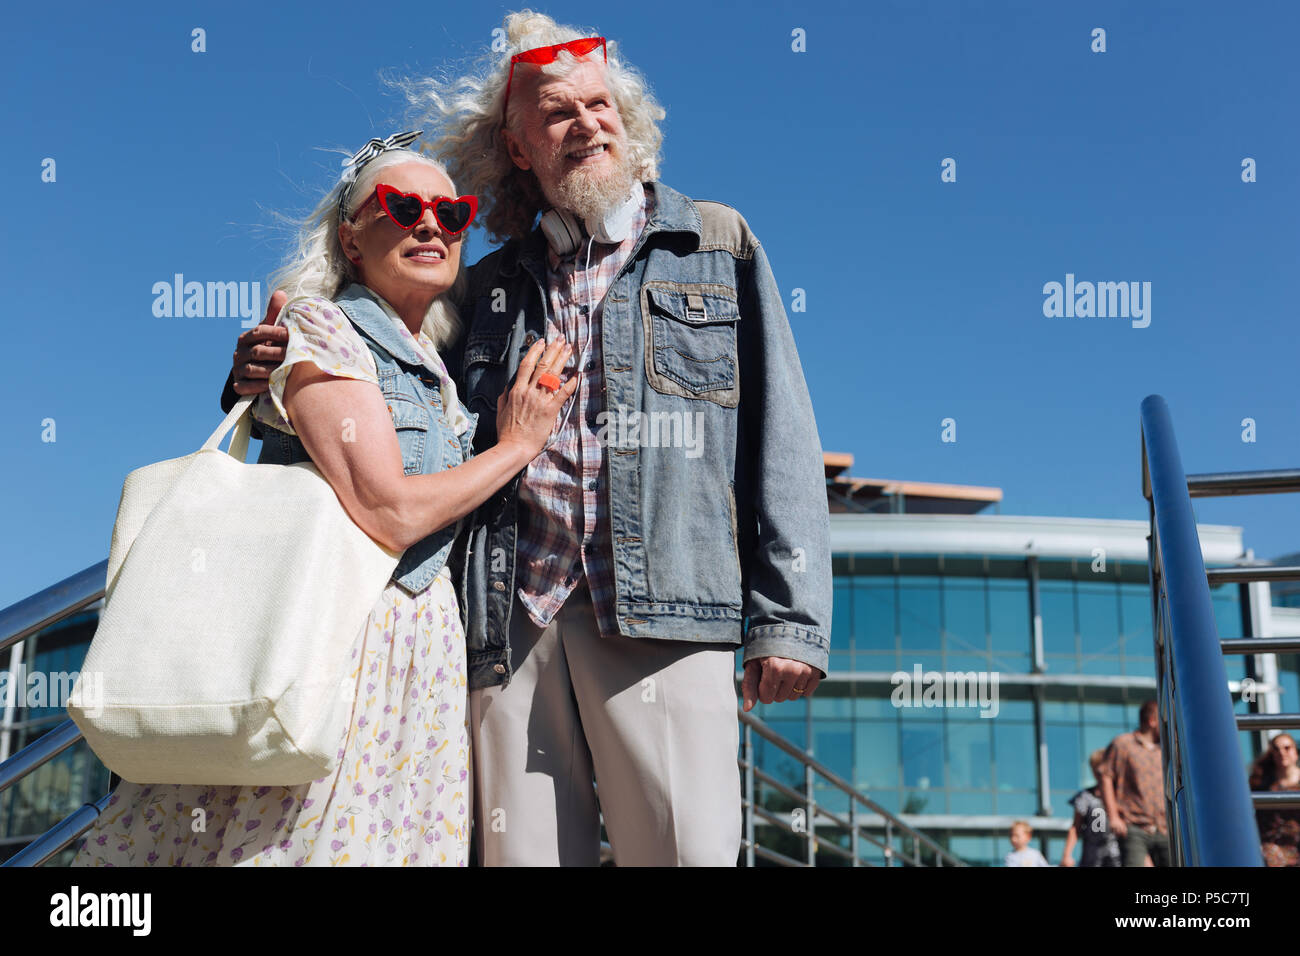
[[813, 768], [1268, 721], [42, 750], [56, 603], [1255, 572], [69, 596], [49, 844], [1220, 484], [1276, 799], [1260, 645], [1211, 815]]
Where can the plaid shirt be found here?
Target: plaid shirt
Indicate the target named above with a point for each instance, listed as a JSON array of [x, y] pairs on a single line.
[[564, 529]]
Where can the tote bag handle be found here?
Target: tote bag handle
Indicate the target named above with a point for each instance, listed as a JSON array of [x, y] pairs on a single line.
[[241, 420]]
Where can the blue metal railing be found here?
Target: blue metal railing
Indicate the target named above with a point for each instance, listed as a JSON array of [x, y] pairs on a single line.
[[1210, 812]]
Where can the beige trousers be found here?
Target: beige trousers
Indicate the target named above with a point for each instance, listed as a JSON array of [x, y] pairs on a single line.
[[653, 720]]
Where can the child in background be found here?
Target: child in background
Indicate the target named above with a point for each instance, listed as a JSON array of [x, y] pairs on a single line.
[[1023, 854]]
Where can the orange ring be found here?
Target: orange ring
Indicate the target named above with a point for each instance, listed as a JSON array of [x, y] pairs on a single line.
[[549, 381]]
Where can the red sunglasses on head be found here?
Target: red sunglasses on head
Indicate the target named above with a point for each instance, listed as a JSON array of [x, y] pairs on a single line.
[[548, 54], [406, 209]]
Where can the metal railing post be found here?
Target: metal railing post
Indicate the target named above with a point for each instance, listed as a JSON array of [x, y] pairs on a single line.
[[810, 822], [853, 832], [749, 796]]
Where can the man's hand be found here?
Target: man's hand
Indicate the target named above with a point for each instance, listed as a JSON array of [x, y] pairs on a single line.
[[1114, 822], [775, 679], [260, 349]]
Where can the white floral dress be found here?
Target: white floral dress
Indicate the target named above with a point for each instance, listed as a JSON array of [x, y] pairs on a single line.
[[401, 793]]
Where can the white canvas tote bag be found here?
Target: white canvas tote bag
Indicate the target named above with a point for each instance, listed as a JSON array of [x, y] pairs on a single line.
[[235, 593]]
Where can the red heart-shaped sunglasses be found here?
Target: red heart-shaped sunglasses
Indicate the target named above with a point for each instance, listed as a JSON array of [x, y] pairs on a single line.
[[406, 209], [542, 55]]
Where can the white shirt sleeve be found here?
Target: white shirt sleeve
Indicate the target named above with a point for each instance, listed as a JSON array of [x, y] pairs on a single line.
[[321, 334]]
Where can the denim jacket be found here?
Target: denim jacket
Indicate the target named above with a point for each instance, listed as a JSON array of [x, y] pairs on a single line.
[[427, 440], [722, 539]]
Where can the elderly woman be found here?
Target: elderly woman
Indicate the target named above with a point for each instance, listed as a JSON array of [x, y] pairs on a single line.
[[364, 394]]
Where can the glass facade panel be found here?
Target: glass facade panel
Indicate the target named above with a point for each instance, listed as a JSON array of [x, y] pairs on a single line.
[[1227, 610], [1056, 603], [1016, 753], [1009, 623], [1135, 606], [918, 614], [1097, 604], [842, 626], [1064, 768], [833, 745], [970, 802], [964, 621], [874, 609], [970, 754], [923, 755], [877, 764], [1017, 803]]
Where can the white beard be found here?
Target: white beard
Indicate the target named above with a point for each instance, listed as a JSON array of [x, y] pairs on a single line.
[[591, 197]]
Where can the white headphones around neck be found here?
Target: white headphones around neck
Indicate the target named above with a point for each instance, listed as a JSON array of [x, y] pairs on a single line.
[[565, 232]]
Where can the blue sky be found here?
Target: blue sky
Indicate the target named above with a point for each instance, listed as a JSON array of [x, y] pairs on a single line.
[[924, 298]]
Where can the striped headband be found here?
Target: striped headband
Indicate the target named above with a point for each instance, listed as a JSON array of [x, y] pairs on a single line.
[[353, 166]]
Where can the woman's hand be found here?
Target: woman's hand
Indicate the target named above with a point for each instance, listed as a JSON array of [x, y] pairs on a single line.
[[526, 411]]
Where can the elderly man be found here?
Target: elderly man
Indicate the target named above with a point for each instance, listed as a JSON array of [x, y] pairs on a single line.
[[679, 510]]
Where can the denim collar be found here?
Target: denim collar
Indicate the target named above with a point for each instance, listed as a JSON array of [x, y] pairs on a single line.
[[367, 310], [673, 213]]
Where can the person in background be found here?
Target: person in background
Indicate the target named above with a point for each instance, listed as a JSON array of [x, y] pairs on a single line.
[[1133, 791], [1279, 830], [1023, 854], [1100, 848]]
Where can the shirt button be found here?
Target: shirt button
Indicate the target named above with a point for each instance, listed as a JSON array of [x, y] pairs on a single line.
[[582, 309], [591, 485], [590, 366], [499, 585], [499, 668]]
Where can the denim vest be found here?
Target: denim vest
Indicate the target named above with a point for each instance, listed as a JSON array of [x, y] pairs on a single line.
[[427, 440]]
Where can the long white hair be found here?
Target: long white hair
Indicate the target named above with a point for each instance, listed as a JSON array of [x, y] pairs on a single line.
[[318, 265], [466, 113]]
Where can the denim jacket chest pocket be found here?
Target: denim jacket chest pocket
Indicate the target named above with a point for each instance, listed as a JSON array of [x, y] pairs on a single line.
[[413, 419], [690, 340], [485, 373]]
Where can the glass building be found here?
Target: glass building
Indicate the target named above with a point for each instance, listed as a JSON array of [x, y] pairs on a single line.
[[929, 593], [41, 799]]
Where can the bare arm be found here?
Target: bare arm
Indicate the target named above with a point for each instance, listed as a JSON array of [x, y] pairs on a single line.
[[1071, 837], [366, 473], [1114, 822]]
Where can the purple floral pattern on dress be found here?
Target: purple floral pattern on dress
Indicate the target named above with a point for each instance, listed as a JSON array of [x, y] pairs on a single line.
[[400, 795]]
